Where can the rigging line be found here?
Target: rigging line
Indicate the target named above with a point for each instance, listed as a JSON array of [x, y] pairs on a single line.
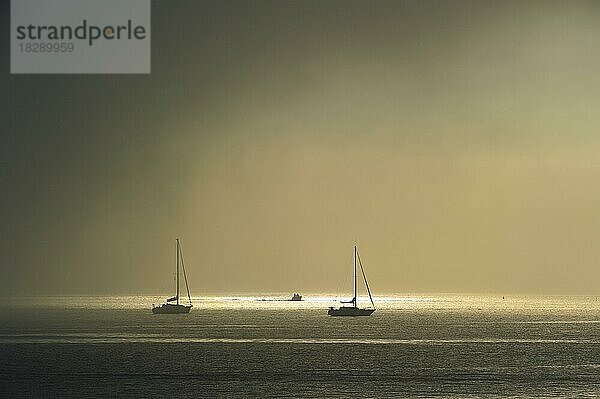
[[177, 271], [365, 278], [184, 275]]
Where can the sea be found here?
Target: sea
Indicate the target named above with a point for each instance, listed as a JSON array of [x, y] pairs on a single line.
[[241, 346]]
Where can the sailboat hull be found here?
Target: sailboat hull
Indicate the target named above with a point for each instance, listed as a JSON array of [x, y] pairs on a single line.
[[350, 312], [169, 308]]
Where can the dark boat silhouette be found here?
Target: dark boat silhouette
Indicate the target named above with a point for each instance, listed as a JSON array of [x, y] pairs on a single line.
[[354, 310], [295, 298], [176, 308]]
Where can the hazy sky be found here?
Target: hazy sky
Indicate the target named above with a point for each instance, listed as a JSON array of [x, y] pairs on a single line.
[[457, 142]]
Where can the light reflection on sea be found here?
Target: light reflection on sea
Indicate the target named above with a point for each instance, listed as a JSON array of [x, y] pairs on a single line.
[[318, 301]]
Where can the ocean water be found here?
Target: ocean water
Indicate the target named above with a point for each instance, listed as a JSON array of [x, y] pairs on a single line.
[[446, 346]]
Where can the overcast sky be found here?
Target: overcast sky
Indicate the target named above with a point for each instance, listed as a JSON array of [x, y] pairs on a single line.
[[456, 142]]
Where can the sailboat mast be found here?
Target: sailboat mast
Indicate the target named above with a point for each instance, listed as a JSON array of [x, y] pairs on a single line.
[[177, 270], [354, 298]]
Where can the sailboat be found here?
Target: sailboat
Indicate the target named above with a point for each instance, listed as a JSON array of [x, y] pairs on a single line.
[[176, 308], [354, 310]]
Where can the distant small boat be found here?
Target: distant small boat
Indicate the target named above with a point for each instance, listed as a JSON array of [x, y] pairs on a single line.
[[296, 297], [176, 308], [354, 310]]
